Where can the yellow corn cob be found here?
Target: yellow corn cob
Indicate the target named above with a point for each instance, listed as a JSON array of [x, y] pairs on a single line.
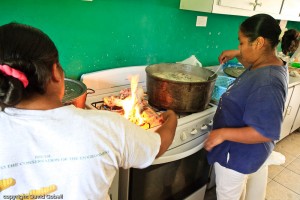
[[24, 197], [6, 183], [43, 191], [40, 192]]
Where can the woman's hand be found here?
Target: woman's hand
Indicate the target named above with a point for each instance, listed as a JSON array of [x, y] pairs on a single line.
[[168, 114], [214, 138], [228, 55]]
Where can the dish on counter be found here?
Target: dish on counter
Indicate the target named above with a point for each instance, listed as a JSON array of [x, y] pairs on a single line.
[[234, 71], [295, 64]]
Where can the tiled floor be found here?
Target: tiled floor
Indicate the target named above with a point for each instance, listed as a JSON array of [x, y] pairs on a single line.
[[283, 180]]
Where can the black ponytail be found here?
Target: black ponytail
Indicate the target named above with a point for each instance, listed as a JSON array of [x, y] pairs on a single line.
[[11, 90]]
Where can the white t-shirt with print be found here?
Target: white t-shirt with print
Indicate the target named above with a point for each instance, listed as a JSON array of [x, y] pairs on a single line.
[[69, 152]]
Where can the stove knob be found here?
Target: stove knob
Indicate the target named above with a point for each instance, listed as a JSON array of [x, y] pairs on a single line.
[[204, 127], [194, 131], [183, 136], [210, 123]]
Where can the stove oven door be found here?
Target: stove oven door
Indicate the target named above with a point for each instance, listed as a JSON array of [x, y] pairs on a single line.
[[177, 176]]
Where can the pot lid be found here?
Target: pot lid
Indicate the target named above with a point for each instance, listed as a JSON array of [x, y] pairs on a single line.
[[73, 89]]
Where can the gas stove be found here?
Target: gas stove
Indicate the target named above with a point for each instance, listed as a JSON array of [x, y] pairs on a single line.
[[192, 129], [191, 132]]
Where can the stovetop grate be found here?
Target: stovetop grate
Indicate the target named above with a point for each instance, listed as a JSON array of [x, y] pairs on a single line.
[[99, 105]]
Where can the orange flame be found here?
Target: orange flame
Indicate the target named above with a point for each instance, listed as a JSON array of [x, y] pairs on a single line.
[[134, 107], [131, 105]]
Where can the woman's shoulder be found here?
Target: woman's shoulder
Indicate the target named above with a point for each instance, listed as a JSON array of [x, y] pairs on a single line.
[[270, 70], [92, 114], [266, 76]]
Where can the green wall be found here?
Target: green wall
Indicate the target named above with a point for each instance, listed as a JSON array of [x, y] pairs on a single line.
[[295, 25], [104, 34]]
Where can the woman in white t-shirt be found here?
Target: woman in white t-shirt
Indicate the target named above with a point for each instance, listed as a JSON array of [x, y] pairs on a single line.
[[62, 151]]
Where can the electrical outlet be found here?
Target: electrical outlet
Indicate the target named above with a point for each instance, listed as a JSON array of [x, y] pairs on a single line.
[[201, 21]]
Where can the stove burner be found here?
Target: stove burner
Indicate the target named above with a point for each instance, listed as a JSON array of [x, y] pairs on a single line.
[[99, 105]]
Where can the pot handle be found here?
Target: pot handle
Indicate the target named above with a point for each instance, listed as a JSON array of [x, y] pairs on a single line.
[[90, 91]]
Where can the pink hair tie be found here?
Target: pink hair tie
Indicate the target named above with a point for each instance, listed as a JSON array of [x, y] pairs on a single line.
[[7, 70]]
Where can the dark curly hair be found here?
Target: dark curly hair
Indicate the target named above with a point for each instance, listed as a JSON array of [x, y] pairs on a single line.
[[290, 41], [30, 51]]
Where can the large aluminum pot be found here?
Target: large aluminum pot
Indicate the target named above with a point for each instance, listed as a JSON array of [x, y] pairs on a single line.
[[75, 93], [178, 94]]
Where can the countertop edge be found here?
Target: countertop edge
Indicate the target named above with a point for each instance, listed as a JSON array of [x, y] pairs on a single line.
[[292, 80]]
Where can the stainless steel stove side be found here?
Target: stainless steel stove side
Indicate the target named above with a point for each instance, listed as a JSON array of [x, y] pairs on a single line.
[[114, 187], [123, 191]]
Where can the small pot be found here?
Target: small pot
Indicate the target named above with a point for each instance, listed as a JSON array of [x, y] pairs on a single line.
[[75, 93]]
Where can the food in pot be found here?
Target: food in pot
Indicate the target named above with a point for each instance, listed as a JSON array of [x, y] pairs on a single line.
[[178, 76]]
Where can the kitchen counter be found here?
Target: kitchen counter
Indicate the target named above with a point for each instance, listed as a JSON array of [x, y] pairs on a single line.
[[292, 80]]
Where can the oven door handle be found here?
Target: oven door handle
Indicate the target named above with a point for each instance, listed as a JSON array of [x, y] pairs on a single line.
[[177, 156]]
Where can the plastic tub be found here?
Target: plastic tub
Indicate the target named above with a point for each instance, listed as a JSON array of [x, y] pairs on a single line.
[[221, 86], [295, 64]]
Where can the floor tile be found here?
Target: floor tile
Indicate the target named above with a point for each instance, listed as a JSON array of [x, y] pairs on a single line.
[[269, 180], [288, 146], [289, 179], [295, 166], [274, 170], [276, 191], [293, 138]]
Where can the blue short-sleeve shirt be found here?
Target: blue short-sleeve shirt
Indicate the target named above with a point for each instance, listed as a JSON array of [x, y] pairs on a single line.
[[255, 99]]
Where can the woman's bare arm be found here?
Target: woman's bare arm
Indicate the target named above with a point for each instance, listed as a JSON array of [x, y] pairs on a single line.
[[246, 135], [167, 131]]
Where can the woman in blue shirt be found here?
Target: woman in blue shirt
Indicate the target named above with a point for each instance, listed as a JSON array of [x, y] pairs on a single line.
[[249, 115]]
